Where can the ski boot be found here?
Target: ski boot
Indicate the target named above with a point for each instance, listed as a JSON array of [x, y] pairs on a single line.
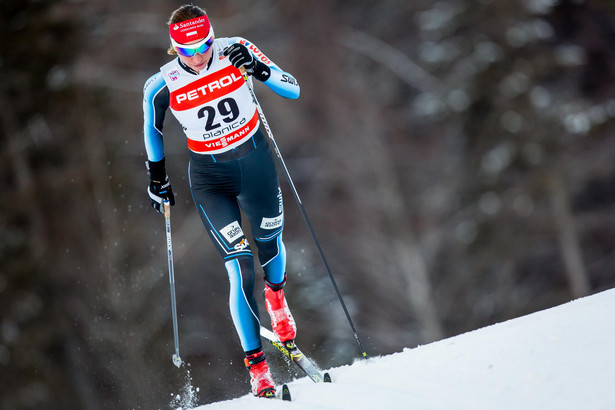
[[282, 320], [260, 376]]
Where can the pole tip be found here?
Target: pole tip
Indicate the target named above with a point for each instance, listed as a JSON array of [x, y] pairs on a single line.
[[177, 361]]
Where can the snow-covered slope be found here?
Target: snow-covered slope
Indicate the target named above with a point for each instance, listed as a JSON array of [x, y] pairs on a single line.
[[560, 358]]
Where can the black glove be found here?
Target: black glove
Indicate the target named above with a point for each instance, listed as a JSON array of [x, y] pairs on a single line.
[[159, 189], [241, 56]]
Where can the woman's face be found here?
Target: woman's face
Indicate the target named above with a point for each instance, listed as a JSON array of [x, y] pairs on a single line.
[[199, 61]]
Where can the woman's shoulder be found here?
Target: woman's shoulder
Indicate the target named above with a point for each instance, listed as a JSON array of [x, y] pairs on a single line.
[[227, 41], [154, 83]]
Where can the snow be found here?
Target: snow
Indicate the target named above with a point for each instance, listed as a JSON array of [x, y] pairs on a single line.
[[560, 358]]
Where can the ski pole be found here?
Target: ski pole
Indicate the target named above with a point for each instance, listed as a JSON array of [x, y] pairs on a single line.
[[167, 219], [301, 208]]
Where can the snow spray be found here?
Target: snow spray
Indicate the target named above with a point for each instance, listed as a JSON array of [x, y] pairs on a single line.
[[187, 398]]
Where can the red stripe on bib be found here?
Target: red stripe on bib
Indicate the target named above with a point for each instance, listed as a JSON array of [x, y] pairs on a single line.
[[232, 138]]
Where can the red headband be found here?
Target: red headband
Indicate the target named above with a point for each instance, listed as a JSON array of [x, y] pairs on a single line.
[[189, 30]]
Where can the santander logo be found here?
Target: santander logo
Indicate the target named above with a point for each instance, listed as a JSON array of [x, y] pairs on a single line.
[[189, 23]]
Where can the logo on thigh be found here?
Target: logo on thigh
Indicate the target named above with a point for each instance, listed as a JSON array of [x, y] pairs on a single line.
[[272, 223], [232, 232], [242, 245]]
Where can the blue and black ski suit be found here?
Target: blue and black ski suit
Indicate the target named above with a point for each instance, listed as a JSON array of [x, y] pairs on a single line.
[[231, 167]]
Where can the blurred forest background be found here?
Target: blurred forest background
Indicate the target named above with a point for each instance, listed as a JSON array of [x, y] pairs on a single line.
[[455, 157]]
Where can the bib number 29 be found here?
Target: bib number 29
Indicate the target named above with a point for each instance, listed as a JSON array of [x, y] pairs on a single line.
[[226, 109]]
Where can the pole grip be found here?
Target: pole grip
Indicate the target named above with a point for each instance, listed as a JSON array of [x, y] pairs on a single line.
[[167, 209]]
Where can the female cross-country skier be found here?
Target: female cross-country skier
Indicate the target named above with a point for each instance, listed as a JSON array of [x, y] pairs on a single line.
[[231, 167]]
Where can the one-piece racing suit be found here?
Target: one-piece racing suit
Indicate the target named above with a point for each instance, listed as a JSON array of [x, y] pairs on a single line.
[[231, 166]]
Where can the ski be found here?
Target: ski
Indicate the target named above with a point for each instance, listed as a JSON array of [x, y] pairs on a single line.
[[285, 393], [271, 393], [292, 352]]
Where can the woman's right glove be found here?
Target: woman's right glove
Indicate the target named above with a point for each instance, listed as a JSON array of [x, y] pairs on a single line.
[[159, 189], [239, 55]]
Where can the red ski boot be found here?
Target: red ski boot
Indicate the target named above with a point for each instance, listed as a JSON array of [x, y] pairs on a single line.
[[281, 319], [260, 376]]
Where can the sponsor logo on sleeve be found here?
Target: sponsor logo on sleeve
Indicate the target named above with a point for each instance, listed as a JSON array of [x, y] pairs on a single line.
[[259, 54]]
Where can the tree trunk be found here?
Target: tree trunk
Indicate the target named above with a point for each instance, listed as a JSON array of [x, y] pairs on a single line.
[[568, 238]]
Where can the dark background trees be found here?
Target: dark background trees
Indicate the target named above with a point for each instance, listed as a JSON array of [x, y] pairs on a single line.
[[455, 157]]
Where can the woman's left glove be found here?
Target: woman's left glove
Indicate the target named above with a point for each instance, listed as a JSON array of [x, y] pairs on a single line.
[[159, 189], [239, 55]]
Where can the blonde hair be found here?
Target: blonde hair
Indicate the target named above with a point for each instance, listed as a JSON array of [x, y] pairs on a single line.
[[185, 12]]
